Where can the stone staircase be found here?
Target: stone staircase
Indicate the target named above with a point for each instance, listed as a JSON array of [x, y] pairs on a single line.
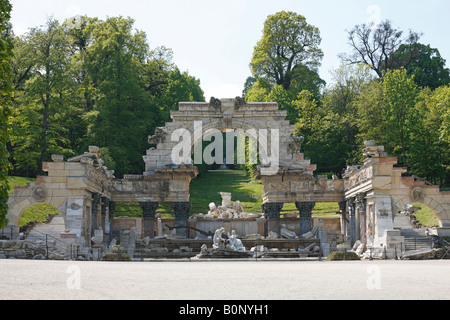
[[48, 236], [52, 229], [416, 239]]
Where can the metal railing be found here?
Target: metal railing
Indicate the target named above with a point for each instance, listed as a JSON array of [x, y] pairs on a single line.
[[52, 245]]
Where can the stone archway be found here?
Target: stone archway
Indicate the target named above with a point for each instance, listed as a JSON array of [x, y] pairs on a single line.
[[32, 194], [438, 202], [222, 115]]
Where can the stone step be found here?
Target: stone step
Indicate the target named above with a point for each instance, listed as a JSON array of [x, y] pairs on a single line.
[[52, 229], [401, 221]]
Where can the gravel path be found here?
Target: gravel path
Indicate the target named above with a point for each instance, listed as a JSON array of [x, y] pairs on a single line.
[[225, 280]]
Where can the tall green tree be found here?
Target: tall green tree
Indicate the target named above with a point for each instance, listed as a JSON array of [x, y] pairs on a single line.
[[423, 62], [375, 45], [6, 92], [310, 120], [288, 43], [42, 114], [400, 97], [339, 103], [114, 63], [429, 154]]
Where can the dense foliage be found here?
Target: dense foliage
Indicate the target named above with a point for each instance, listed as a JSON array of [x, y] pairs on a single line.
[[91, 82], [391, 89], [6, 92]]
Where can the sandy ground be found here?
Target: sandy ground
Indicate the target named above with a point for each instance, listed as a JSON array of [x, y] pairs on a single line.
[[225, 280]]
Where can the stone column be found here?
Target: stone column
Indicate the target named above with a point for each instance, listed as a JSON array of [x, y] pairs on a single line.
[[272, 214], [112, 208], [95, 203], [148, 222], [181, 212], [361, 204], [105, 206], [305, 209], [351, 208], [344, 218]]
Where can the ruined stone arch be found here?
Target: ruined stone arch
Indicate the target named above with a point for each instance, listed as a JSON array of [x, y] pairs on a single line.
[[32, 194], [436, 201], [228, 114], [248, 128]]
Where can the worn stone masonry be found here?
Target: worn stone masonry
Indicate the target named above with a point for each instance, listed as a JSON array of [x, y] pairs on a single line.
[[86, 192]]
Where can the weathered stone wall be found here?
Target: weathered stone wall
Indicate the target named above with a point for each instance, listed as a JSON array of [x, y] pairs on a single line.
[[17, 249]]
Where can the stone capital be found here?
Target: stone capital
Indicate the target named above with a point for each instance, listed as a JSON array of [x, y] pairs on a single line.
[[272, 210], [181, 209], [360, 201], [148, 209], [305, 208]]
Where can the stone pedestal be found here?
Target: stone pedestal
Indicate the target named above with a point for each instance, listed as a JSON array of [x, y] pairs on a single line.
[[305, 209], [272, 214], [181, 212], [148, 221]]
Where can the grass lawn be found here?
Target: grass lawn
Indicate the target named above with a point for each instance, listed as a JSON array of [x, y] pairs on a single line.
[[18, 182], [206, 188], [426, 216]]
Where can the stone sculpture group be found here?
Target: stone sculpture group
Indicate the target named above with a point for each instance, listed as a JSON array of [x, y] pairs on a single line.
[[233, 243]]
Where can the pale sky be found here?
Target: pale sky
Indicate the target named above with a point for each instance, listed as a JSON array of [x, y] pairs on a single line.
[[214, 39]]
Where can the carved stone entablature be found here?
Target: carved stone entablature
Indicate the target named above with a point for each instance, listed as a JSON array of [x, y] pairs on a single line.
[[99, 178], [95, 168], [357, 175]]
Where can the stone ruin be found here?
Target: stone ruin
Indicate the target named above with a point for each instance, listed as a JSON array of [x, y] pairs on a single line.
[[370, 195]]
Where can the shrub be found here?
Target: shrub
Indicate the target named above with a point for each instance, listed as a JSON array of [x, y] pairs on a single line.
[[115, 257], [339, 256]]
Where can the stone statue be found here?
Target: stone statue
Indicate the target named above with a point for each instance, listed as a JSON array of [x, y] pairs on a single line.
[[218, 241], [158, 137], [234, 243], [296, 145], [239, 102], [215, 103]]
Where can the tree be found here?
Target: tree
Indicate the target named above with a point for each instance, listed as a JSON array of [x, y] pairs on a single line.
[[339, 103], [428, 154], [42, 113], [309, 120], [374, 46], [423, 62], [288, 45], [6, 92], [371, 123], [400, 97], [114, 63]]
